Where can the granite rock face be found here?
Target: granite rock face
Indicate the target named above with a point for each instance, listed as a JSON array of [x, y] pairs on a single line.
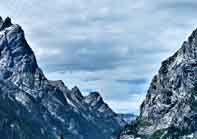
[[33, 107], [170, 108]]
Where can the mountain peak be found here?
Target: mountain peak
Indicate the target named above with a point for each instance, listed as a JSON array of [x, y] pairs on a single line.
[[94, 94], [170, 105], [27, 97], [186, 54], [189, 47], [94, 99], [5, 23], [77, 93], [18, 62]]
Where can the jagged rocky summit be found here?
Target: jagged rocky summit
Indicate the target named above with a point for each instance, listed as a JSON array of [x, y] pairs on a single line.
[[33, 107], [170, 108]]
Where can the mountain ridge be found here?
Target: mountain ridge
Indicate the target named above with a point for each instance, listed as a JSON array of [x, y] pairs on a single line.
[[31, 106]]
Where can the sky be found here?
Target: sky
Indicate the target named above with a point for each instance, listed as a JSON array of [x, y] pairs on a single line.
[[114, 47]]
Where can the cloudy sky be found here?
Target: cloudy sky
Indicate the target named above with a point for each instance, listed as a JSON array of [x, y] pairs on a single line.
[[111, 46]]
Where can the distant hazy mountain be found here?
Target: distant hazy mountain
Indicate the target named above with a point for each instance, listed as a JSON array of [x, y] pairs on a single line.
[[127, 117], [170, 108], [32, 107]]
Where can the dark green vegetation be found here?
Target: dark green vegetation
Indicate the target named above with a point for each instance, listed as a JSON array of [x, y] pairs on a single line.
[[133, 128], [158, 134]]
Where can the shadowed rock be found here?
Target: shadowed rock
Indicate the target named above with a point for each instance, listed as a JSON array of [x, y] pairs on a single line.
[[6, 23]]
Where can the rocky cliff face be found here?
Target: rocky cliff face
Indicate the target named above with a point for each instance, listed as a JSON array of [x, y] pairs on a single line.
[[170, 108], [32, 107]]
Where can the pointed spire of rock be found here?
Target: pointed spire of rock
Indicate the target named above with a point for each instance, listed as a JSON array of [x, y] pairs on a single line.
[[1, 22], [16, 56], [77, 92], [1, 19], [94, 95], [6, 23], [94, 98]]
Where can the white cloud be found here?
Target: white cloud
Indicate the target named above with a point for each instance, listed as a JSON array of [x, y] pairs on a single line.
[[44, 53], [127, 106]]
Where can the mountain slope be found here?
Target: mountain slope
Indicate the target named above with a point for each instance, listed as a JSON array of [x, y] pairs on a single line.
[[170, 108], [32, 107]]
